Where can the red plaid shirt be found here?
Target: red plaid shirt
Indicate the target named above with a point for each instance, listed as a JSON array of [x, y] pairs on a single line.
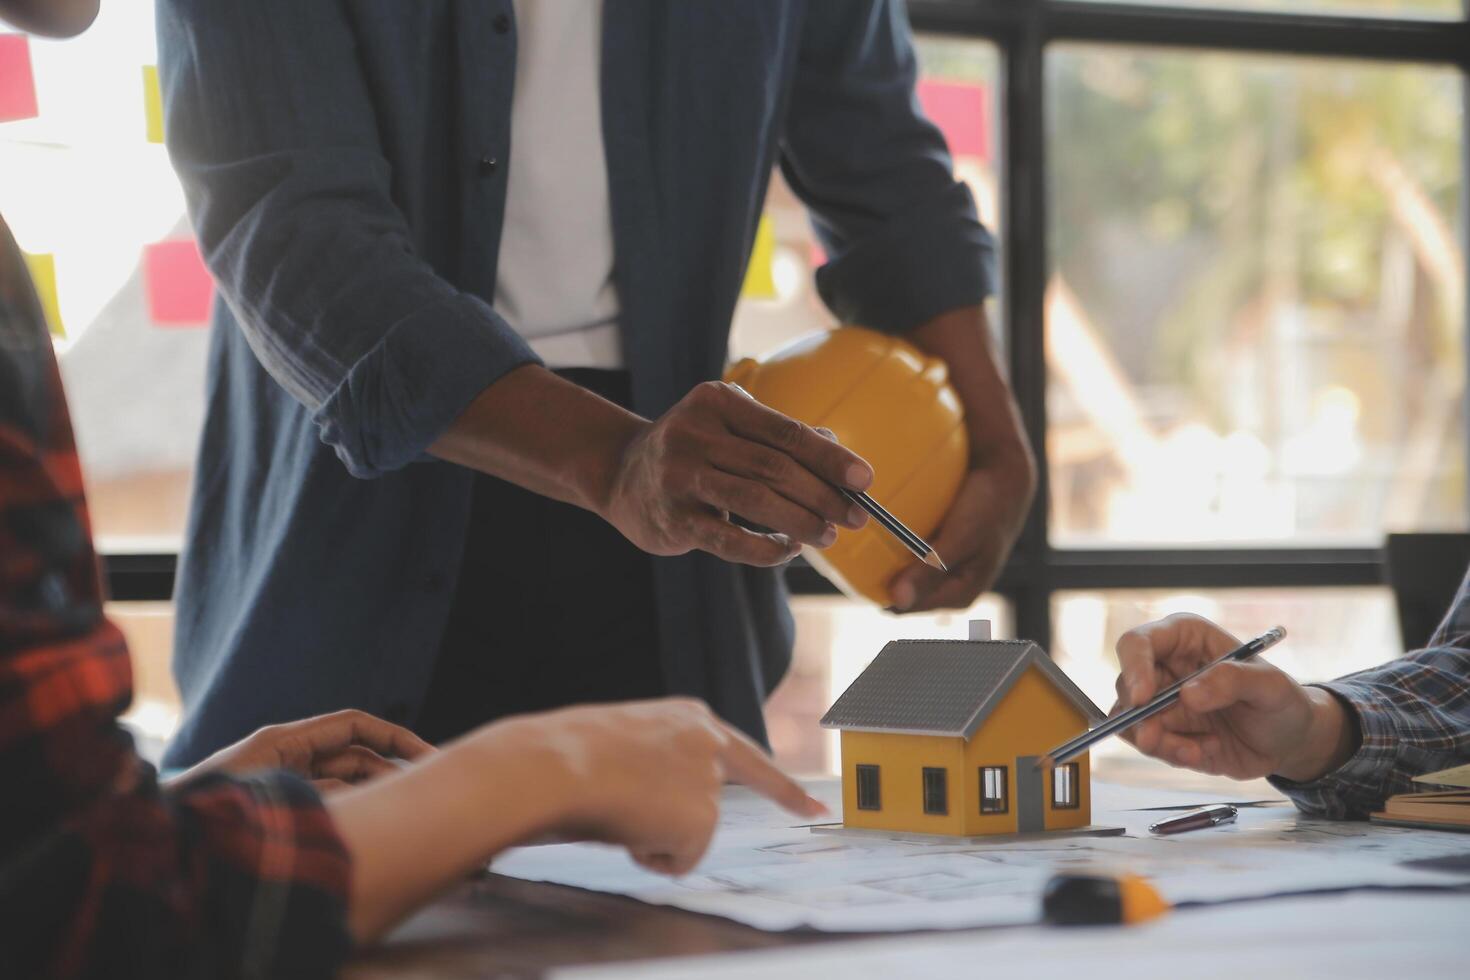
[[102, 872]]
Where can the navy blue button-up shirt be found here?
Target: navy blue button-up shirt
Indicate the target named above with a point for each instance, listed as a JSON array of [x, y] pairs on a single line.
[[336, 158]]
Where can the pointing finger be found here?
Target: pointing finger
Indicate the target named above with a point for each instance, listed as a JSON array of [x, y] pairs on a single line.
[[747, 764]]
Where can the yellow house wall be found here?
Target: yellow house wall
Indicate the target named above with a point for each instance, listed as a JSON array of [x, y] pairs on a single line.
[[901, 760], [1031, 718]]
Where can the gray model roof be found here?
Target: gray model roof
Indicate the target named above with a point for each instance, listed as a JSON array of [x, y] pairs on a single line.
[[943, 687]]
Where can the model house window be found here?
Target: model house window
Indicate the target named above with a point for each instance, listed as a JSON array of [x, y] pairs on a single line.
[[993, 789], [1064, 787], [936, 791], [869, 794]]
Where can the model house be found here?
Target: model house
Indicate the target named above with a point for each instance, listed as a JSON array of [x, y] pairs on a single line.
[[940, 737]]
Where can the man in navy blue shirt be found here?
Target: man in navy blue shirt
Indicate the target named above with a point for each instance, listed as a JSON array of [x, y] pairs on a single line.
[[477, 259]]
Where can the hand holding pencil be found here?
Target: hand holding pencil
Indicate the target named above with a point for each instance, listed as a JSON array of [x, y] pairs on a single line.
[[916, 545], [1243, 719]]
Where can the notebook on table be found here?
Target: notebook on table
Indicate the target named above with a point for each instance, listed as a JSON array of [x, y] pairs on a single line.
[[1446, 808]]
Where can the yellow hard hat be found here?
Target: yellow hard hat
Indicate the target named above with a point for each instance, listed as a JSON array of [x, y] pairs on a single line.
[[889, 403]]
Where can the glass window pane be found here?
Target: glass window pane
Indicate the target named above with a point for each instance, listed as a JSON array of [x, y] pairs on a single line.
[[869, 790], [1435, 9], [835, 639], [957, 89], [96, 204], [1255, 322], [936, 791], [993, 789], [1064, 786], [1331, 632]]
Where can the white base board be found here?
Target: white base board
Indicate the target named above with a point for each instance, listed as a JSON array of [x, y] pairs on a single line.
[[1091, 830]]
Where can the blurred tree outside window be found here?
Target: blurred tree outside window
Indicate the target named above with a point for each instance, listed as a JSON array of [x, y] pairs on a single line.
[[1255, 323]]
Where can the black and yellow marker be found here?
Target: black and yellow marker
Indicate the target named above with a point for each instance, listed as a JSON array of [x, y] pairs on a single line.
[[1091, 900]]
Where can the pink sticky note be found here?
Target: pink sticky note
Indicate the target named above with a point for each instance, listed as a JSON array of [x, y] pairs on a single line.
[[962, 113], [17, 81], [180, 291]]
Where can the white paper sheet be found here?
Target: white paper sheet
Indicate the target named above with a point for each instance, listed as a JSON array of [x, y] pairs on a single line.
[[1346, 937], [766, 873]]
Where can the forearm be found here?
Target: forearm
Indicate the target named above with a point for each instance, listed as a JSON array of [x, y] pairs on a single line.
[[414, 833], [543, 433], [961, 339]]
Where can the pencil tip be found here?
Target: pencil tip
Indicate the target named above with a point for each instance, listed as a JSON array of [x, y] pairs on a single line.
[[933, 560], [1045, 762]]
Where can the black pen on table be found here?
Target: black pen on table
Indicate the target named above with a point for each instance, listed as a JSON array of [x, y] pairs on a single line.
[[915, 544], [1161, 701], [1206, 816]]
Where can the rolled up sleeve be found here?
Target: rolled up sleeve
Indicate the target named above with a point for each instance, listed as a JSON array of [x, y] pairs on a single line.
[[903, 236], [271, 127]]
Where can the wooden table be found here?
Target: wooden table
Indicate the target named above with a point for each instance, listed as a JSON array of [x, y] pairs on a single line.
[[503, 927]]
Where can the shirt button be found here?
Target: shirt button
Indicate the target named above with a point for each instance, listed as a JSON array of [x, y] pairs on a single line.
[[488, 165], [501, 23]]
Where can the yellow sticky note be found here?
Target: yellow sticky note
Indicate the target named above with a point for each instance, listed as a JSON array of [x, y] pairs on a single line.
[[760, 281], [43, 274], [153, 103]]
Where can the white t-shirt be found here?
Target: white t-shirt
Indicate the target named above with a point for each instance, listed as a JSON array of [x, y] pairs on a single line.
[[554, 282]]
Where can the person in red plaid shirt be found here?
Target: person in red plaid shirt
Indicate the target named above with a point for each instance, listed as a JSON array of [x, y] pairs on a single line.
[[241, 867], [1337, 749]]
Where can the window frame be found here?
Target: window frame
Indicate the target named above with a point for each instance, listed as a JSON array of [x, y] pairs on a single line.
[[942, 775], [1005, 794], [1073, 782], [1022, 31], [876, 772]]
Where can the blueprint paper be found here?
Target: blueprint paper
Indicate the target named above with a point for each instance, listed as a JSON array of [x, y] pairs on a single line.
[[763, 871]]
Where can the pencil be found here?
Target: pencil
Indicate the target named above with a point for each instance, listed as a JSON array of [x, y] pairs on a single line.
[[879, 513], [1071, 749], [895, 527]]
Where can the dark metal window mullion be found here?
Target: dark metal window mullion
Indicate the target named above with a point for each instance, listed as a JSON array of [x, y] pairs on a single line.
[[1024, 196], [1342, 35], [1464, 236]]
